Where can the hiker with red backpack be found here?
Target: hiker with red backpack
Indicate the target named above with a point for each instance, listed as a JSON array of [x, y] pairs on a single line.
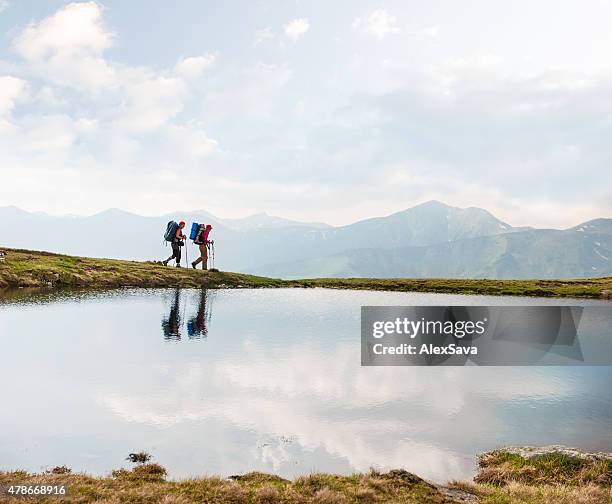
[[174, 235], [202, 241]]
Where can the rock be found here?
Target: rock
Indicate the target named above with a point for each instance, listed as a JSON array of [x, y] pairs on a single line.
[[457, 495], [606, 294], [528, 452]]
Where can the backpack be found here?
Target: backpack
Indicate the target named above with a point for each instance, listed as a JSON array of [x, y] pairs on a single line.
[[170, 233], [197, 232], [195, 229]]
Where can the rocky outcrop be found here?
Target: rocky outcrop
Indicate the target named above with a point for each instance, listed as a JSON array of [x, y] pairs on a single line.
[[530, 452]]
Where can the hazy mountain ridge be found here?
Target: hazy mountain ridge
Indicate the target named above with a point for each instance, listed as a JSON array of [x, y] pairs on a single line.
[[521, 255], [429, 240]]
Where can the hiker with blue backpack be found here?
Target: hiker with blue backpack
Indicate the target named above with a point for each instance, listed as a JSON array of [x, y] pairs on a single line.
[[174, 235]]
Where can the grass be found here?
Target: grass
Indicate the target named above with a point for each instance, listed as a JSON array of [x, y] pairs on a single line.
[[556, 477], [24, 268], [501, 467], [147, 483], [521, 493], [504, 478]]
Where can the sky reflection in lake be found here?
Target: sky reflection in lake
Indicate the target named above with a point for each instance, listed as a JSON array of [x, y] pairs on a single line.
[[231, 381]]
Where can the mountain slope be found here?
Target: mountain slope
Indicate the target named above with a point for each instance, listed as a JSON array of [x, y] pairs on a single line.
[[242, 244], [428, 240], [584, 251], [425, 224]]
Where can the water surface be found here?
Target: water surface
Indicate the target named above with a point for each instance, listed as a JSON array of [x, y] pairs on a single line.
[[229, 381]]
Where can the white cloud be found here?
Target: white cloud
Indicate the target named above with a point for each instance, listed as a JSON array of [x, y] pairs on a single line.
[[296, 28], [303, 390], [48, 96], [378, 23], [4, 4], [428, 31], [78, 91], [263, 35], [12, 91], [74, 28], [192, 68], [251, 94], [149, 100], [189, 142], [49, 134], [67, 47], [518, 121]]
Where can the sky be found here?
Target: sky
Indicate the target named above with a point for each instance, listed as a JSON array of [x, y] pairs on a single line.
[[311, 110]]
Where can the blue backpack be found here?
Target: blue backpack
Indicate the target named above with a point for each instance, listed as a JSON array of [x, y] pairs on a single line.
[[171, 229], [195, 229]]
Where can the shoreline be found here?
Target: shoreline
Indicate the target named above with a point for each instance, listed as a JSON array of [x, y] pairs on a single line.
[[550, 474], [35, 269]]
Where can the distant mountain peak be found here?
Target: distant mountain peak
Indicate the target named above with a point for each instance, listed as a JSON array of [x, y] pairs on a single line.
[[112, 212], [433, 203], [601, 225]]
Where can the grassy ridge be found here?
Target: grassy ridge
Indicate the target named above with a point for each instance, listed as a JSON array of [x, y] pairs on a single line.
[[504, 477], [24, 268]]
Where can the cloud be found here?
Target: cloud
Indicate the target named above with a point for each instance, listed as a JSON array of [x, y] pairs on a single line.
[[247, 94], [96, 120], [428, 31], [378, 23], [66, 50], [192, 68], [12, 91], [4, 4], [518, 137], [296, 28], [150, 100], [305, 390], [67, 47], [263, 35], [189, 142]]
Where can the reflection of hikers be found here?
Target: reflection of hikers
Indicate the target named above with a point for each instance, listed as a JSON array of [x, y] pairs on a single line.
[[203, 243], [175, 236], [196, 326], [171, 325]]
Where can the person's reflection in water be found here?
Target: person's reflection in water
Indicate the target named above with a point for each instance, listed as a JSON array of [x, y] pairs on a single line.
[[171, 325], [197, 326]]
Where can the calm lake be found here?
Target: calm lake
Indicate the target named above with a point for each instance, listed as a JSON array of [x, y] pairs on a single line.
[[230, 381]]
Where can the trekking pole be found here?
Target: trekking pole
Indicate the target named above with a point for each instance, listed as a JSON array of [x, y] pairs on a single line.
[[186, 255]]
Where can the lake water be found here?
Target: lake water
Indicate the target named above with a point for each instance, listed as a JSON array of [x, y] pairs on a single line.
[[230, 381]]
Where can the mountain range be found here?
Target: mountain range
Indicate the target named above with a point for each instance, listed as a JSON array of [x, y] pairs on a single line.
[[428, 240]]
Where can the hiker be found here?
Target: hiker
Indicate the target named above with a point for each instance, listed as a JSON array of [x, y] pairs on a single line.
[[197, 326], [203, 244], [171, 325], [176, 241]]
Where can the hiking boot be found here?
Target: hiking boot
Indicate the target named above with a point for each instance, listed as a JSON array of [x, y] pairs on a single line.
[[178, 265], [193, 265], [165, 263]]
